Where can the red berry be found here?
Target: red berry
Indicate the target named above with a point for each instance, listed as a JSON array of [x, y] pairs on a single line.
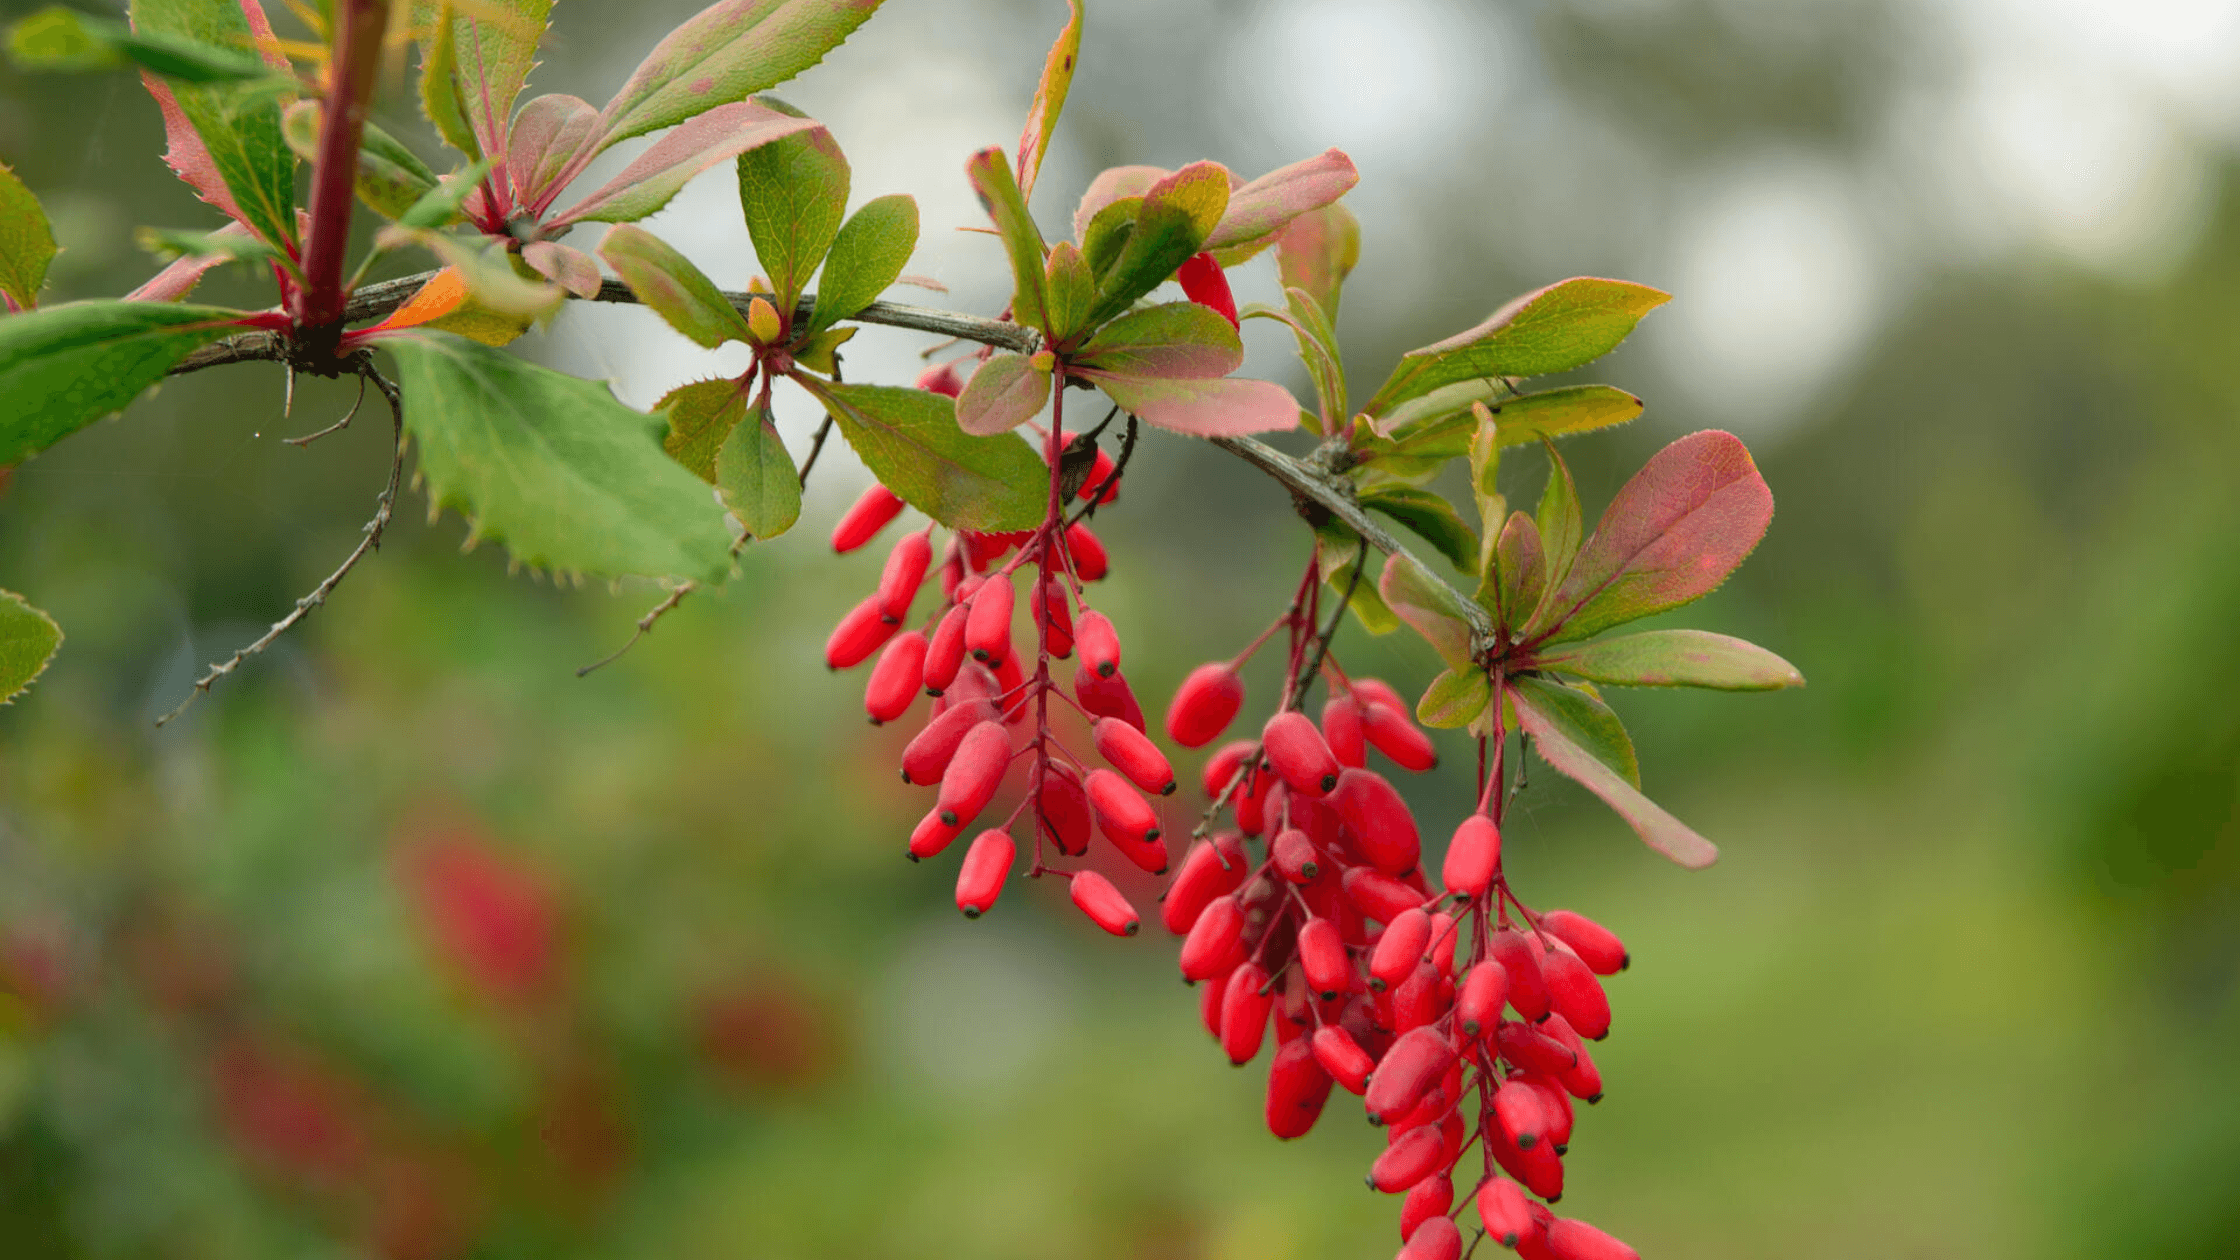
[[904, 573], [945, 653], [1205, 704], [1132, 753], [1053, 616], [1478, 1007], [941, 379], [987, 628], [1341, 729], [1437, 1239], [858, 635], [1533, 1050], [1472, 856], [1401, 947], [1575, 994], [1210, 869], [894, 680], [986, 865], [1520, 956], [1216, 940], [1380, 820], [1506, 1213], [932, 834], [1407, 1161], [974, 773], [1065, 810], [1539, 1168], [1119, 808], [928, 754], [1521, 1112], [1370, 691], [1584, 1080], [1100, 473], [1577, 1240], [1418, 999], [1107, 697], [1203, 282], [1408, 1070], [862, 522], [1099, 643], [1396, 735], [1103, 904], [1323, 959], [1244, 1012], [1297, 1089], [1379, 895], [1431, 1197], [1346, 1062], [1223, 765], [1296, 859], [1010, 682], [1297, 752], [1444, 939], [1595, 944], [1090, 563]]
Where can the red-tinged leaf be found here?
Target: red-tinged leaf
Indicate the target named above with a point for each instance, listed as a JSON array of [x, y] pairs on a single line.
[[564, 265], [493, 45], [1521, 576], [1007, 391], [1455, 699], [1116, 184], [1178, 213], [1227, 407], [547, 136], [1261, 209], [1317, 251], [1675, 658], [1177, 339], [990, 174], [1558, 520], [1584, 720], [236, 124], [1565, 325], [1671, 536], [1429, 605], [727, 52], [1657, 828], [660, 172], [1049, 99], [185, 153], [176, 281]]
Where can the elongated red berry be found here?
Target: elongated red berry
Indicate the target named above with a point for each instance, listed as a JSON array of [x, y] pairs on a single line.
[[941, 379], [1431, 1197], [1105, 474], [1532, 1050], [1436, 1239], [1295, 856], [1210, 869], [945, 651], [1297, 752], [1090, 563], [1555, 1104], [1205, 704], [928, 753], [1120, 809], [1575, 994], [1400, 948], [1065, 810], [1104, 905], [1341, 729], [1477, 1005], [1343, 1058], [1381, 823], [1444, 938], [894, 680], [1397, 736], [905, 571], [1520, 956], [1584, 1080], [858, 635], [986, 865], [1202, 282], [1052, 612], [1297, 1090], [1413, 1065], [1596, 945], [1503, 1208], [1539, 1168], [1223, 765], [1377, 691], [1576, 1240], [974, 773], [1379, 895], [1216, 940], [1407, 1161], [1472, 856], [1107, 696], [1099, 643], [987, 628], [1133, 754], [932, 835], [862, 522], [1418, 999], [1522, 1113], [1244, 1012]]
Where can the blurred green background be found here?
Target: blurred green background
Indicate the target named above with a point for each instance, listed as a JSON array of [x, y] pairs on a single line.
[[408, 943]]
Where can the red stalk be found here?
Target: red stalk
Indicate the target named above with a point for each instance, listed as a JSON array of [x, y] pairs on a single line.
[[358, 29]]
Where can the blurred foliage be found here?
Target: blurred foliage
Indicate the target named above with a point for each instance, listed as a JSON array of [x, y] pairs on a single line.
[[407, 943]]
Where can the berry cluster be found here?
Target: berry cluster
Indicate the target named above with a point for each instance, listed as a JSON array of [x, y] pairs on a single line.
[[964, 656]]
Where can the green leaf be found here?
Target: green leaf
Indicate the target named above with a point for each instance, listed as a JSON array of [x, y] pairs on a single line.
[[1007, 391], [1675, 658], [1432, 518], [700, 415], [1107, 234], [1049, 99], [1316, 251], [1520, 573], [727, 52], [1557, 739], [553, 466], [873, 247], [1428, 605], [757, 478], [910, 440], [238, 123], [64, 367], [439, 80], [28, 640], [493, 45], [820, 353], [1523, 417], [1318, 350], [1558, 521], [1585, 721], [26, 241], [1455, 699], [392, 180], [1174, 339], [1566, 325], [677, 291], [1178, 213], [1339, 554], [236, 246], [990, 173], [57, 38], [1485, 472], [1069, 289], [794, 192]]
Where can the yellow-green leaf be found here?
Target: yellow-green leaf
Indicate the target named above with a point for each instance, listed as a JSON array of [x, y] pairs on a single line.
[[756, 476], [1455, 699], [26, 241], [28, 640]]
